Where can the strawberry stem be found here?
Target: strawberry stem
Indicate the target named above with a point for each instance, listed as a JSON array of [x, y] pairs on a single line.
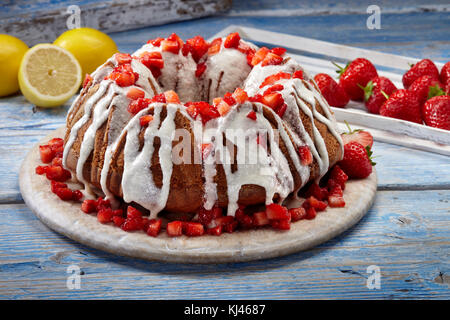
[[384, 94], [340, 70]]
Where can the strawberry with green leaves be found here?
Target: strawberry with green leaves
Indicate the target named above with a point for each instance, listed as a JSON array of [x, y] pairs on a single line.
[[426, 87], [357, 163], [357, 73], [376, 92], [331, 90], [424, 67], [404, 105], [361, 136]]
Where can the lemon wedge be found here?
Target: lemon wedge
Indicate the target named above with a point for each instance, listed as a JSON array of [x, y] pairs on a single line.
[[49, 75]]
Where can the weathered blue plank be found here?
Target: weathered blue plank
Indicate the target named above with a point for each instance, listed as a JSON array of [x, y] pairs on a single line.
[[405, 234]]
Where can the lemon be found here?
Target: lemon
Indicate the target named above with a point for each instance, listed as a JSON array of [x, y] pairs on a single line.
[[49, 75], [90, 46], [12, 51]]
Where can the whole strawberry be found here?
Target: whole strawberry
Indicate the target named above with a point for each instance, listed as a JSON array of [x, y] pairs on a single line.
[[376, 92], [421, 87], [436, 112], [356, 162], [357, 73], [424, 67], [404, 105], [331, 90], [445, 73]]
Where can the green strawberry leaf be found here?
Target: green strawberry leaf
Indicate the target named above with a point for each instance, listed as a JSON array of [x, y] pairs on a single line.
[[435, 91], [350, 131], [340, 70], [384, 94], [370, 153], [368, 89]]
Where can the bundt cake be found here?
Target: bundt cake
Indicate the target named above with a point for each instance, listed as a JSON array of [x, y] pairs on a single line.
[[179, 126]]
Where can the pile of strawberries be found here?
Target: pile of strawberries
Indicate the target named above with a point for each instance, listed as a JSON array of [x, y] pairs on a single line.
[[52, 154], [424, 99]]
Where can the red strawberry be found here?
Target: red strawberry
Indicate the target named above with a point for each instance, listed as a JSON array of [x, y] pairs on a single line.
[[297, 213], [274, 78], [356, 162], [276, 212], [336, 201], [316, 191], [216, 231], [305, 155], [281, 224], [123, 58], [135, 93], [274, 100], [154, 227], [87, 80], [331, 90], [315, 203], [132, 225], [201, 68], [232, 40], [193, 229], [89, 206], [133, 213], [361, 136], [436, 112], [251, 115], [46, 153], [197, 46], [259, 55], [421, 68], [358, 72], [137, 105], [404, 105], [298, 74], [445, 73], [376, 92], [118, 221], [271, 59], [339, 176], [206, 216], [260, 219], [421, 87], [174, 228], [156, 42], [215, 46], [105, 216]]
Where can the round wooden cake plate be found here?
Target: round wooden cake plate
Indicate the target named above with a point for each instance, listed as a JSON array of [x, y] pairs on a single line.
[[68, 219]]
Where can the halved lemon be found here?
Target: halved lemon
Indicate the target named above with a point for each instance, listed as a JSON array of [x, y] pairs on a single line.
[[49, 75]]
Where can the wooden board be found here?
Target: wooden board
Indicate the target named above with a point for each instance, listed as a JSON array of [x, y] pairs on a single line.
[[67, 218]]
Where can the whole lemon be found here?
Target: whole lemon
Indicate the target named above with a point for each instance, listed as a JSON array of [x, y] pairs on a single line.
[[11, 53], [90, 46]]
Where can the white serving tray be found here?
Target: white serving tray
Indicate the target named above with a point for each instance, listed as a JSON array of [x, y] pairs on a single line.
[[392, 66]]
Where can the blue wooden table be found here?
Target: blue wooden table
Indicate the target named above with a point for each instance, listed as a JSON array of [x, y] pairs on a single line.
[[406, 233]]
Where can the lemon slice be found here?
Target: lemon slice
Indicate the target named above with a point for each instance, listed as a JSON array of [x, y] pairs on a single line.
[[49, 75]]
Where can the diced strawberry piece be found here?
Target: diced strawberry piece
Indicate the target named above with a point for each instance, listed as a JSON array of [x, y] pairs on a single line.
[[77, 195], [170, 46], [214, 47], [335, 189], [186, 49], [310, 213], [206, 216], [102, 204], [41, 170], [137, 105], [87, 80], [152, 59], [132, 225], [338, 175], [171, 97], [298, 74], [276, 87], [123, 58], [156, 42], [204, 109], [297, 213], [230, 227], [255, 98], [278, 51], [105, 216], [206, 149], [228, 98], [89, 206], [193, 229], [57, 173], [64, 194], [271, 59], [145, 120], [259, 55], [55, 144], [216, 231], [159, 98], [154, 227], [118, 221], [197, 46], [223, 108], [244, 220], [46, 153], [175, 37], [135, 93], [281, 110], [336, 201], [123, 79], [57, 162], [55, 185], [174, 228], [156, 72], [223, 221], [273, 100], [260, 219], [316, 204], [305, 155], [251, 115], [276, 212], [274, 78], [201, 68], [118, 212], [316, 191], [133, 213], [232, 40], [240, 95], [281, 224]]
